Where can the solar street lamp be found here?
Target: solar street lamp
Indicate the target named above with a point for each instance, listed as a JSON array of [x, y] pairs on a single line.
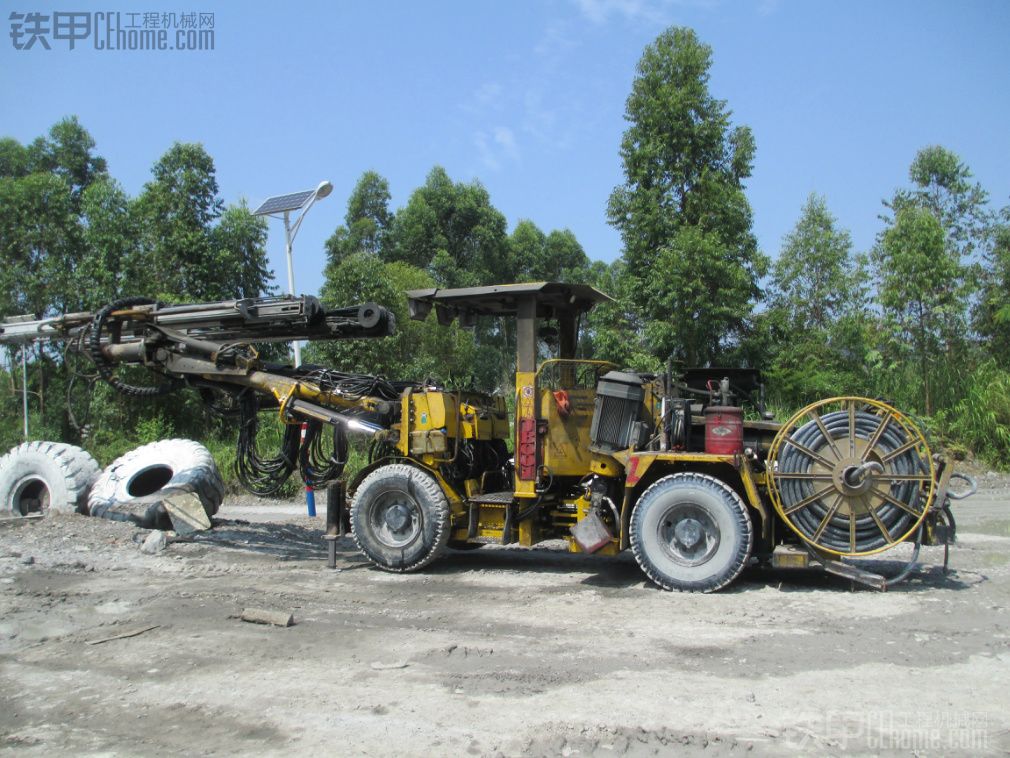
[[281, 206]]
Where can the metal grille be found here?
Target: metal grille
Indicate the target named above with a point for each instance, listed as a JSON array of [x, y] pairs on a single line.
[[613, 420]]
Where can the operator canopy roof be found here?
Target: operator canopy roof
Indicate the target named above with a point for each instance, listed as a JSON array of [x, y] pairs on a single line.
[[552, 299]]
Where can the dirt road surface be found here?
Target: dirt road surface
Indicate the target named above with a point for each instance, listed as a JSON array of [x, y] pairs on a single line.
[[493, 651]]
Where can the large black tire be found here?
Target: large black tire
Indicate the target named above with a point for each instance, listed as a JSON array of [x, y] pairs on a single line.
[[400, 518], [38, 477], [691, 532], [135, 485]]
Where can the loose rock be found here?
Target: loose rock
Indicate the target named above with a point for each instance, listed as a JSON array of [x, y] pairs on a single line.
[[155, 543]]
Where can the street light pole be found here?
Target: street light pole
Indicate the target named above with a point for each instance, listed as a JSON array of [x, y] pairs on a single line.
[[24, 386], [289, 239], [286, 204]]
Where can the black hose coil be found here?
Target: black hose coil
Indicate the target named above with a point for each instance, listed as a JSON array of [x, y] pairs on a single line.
[[835, 535]]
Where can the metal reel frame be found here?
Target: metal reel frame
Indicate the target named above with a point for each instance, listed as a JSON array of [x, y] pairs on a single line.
[[852, 475]]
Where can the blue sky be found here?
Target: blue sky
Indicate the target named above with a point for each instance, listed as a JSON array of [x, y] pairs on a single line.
[[529, 98]]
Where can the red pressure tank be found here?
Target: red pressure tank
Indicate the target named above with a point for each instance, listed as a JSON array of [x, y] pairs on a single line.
[[723, 430]]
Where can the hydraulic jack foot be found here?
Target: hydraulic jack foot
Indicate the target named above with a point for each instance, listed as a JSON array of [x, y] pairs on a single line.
[[336, 497]]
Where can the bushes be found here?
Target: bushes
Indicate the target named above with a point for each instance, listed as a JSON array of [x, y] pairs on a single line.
[[981, 419]]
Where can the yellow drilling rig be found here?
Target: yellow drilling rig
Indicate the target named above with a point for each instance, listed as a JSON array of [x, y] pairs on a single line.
[[670, 466]]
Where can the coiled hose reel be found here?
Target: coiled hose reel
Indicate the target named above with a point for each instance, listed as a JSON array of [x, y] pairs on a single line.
[[851, 476]]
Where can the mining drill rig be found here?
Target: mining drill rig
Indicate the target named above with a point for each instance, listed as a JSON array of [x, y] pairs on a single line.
[[671, 466]]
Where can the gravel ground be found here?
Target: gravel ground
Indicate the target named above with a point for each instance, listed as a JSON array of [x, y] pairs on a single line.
[[494, 651]]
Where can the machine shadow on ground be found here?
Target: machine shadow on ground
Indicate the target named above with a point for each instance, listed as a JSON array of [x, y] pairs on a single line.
[[292, 542]]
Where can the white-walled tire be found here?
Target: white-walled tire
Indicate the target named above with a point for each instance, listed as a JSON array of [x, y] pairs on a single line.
[[133, 487], [38, 477], [691, 532]]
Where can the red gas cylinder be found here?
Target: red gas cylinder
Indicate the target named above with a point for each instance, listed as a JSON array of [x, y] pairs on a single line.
[[723, 430]]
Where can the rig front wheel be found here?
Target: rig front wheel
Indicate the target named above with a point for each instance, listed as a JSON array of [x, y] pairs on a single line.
[[400, 518]]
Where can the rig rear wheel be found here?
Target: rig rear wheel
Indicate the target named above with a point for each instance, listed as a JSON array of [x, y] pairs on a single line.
[[851, 476]]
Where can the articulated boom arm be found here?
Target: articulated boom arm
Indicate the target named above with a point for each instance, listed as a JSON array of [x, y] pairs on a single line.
[[261, 319], [210, 346]]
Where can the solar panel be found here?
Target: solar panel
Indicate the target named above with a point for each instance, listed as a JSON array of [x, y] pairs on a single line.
[[281, 203]]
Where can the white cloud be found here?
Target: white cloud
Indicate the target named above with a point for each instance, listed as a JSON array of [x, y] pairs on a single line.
[[489, 94], [655, 11], [507, 141], [496, 147], [600, 11]]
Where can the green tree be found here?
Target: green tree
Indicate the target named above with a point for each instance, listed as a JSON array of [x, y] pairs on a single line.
[[239, 241], [111, 237], [177, 208], [192, 247], [527, 250], [67, 152], [915, 274], [417, 350], [454, 232], [682, 213], [813, 331], [943, 184], [614, 330], [992, 320], [367, 221], [813, 277], [15, 160], [41, 245]]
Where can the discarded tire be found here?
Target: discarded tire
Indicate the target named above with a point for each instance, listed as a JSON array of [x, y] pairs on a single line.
[[134, 486], [38, 477]]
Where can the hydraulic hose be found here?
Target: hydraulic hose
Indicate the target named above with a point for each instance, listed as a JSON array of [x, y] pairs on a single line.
[[105, 366]]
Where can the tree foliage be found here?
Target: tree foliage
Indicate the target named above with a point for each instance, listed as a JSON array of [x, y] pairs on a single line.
[[452, 230], [367, 221], [73, 240], [812, 335], [682, 213], [417, 350]]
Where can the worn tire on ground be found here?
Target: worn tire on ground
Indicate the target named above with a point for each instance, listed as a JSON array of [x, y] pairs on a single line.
[[134, 486], [691, 532], [400, 518], [45, 476]]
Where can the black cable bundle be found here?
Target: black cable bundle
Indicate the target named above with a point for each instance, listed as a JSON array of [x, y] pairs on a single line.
[[355, 385], [263, 476], [318, 466]]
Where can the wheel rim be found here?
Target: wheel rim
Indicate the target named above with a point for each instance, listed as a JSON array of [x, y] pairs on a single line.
[[688, 534], [395, 518]]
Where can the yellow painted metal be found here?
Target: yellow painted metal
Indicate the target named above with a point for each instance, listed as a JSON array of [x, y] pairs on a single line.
[[566, 443], [433, 421], [637, 464], [848, 505], [406, 404], [564, 450], [605, 465], [790, 558], [525, 408], [528, 533]]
